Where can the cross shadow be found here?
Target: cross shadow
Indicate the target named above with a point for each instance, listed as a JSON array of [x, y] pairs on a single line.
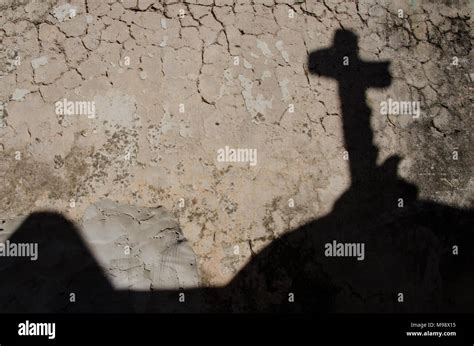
[[408, 248]]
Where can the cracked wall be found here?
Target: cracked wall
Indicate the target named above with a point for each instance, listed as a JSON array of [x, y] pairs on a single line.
[[172, 82]]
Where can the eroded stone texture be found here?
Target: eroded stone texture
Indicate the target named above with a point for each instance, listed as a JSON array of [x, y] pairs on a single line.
[[140, 248]]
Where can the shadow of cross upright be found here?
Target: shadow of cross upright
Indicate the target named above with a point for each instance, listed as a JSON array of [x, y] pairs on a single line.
[[354, 76]]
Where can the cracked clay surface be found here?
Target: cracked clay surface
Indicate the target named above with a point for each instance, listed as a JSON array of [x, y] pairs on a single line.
[[169, 83]]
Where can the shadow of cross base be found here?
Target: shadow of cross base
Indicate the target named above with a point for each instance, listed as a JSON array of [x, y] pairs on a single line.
[[407, 250]]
